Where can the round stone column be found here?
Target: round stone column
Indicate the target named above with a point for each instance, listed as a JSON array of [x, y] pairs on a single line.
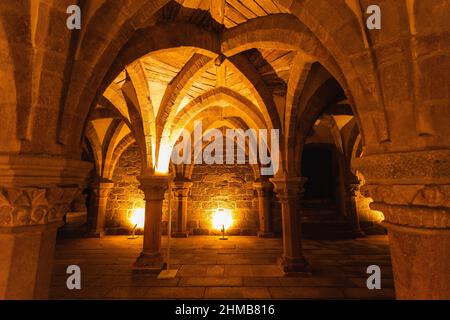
[[35, 194], [352, 189], [100, 191], [289, 191], [264, 193], [181, 190], [412, 190], [154, 187]]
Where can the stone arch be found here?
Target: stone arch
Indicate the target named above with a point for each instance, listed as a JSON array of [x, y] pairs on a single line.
[[146, 44], [113, 140], [96, 147], [213, 123], [122, 104], [243, 107], [322, 97], [116, 154], [178, 88], [128, 56], [255, 168], [84, 89], [137, 126], [136, 73], [288, 32]]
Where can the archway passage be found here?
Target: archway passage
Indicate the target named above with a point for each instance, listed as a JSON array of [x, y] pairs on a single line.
[[148, 74]]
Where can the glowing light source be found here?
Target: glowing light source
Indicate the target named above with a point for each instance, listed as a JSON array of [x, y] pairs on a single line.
[[222, 220], [378, 216], [138, 218], [165, 150]]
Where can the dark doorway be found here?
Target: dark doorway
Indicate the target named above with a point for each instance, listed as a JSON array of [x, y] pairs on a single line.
[[317, 166]]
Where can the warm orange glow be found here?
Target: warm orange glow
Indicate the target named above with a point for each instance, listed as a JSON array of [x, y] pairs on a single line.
[[222, 218], [378, 216], [165, 151], [138, 218]]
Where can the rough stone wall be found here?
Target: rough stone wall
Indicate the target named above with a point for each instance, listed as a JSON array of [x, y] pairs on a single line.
[[126, 194], [223, 186], [214, 186]]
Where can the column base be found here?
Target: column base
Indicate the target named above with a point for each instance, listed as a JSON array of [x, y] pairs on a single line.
[[421, 262], [295, 266], [180, 234], [148, 263], [263, 234]]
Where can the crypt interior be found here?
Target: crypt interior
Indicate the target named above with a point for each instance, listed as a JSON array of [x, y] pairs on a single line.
[[90, 118]]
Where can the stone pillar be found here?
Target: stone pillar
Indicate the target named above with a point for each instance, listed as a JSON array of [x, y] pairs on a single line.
[[99, 198], [352, 190], [154, 187], [413, 192], [264, 193], [35, 194], [181, 190], [289, 190]]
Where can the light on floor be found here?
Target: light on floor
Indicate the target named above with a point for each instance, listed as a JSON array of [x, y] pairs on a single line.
[[222, 220], [137, 219]]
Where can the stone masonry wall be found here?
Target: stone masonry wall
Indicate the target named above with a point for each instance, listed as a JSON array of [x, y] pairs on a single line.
[[214, 186], [223, 186], [126, 194]]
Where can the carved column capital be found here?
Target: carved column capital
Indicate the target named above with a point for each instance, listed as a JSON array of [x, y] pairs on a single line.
[[34, 206], [288, 188], [154, 186], [181, 188], [101, 188], [263, 188], [424, 206], [411, 189]]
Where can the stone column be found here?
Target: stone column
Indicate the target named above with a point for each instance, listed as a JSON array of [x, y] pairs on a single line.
[[289, 190], [352, 190], [99, 198], [35, 194], [181, 190], [154, 187], [413, 192], [264, 193]]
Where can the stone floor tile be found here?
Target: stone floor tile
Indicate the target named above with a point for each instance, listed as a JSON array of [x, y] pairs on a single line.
[[237, 293], [221, 269], [314, 282], [238, 271], [215, 270], [126, 293], [306, 293], [261, 281], [192, 270], [175, 293], [85, 293], [210, 281], [267, 271]]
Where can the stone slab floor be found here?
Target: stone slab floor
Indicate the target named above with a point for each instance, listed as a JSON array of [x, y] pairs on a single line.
[[240, 268]]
